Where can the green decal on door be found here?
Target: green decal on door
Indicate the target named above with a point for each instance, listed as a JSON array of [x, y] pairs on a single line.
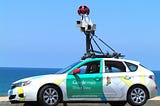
[[84, 86]]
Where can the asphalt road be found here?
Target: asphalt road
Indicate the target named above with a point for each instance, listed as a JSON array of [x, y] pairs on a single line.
[[149, 103]]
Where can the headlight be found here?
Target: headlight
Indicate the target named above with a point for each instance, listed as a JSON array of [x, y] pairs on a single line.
[[25, 83], [20, 84]]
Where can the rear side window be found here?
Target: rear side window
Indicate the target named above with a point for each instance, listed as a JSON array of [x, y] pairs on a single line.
[[114, 66], [132, 67]]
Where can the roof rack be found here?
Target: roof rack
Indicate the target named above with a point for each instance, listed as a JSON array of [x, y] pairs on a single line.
[[88, 28]]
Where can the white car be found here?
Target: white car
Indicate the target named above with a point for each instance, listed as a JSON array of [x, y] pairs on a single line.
[[110, 80]]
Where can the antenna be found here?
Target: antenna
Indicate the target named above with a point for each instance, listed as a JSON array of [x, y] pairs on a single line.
[[88, 28]]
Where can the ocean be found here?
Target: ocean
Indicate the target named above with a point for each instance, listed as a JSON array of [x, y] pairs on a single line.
[[10, 74]]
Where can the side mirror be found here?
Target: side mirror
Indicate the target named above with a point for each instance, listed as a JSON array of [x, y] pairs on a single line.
[[76, 71]]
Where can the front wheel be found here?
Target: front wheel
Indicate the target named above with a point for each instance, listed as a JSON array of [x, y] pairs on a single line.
[[49, 95], [137, 96]]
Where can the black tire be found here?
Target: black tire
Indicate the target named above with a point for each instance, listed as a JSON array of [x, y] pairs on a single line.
[[49, 95], [64, 104], [118, 103], [137, 96]]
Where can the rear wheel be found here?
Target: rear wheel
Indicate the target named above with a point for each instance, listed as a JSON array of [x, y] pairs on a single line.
[[49, 95], [137, 96]]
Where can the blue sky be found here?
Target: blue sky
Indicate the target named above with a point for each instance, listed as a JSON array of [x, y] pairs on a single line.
[[43, 33]]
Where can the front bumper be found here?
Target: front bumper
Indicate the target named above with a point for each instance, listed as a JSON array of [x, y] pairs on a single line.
[[16, 94], [23, 94]]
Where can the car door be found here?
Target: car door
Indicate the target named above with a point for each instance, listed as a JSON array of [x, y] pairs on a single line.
[[113, 84], [87, 83]]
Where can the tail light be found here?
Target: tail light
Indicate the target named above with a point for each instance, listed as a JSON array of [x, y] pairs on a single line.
[[151, 77], [156, 87]]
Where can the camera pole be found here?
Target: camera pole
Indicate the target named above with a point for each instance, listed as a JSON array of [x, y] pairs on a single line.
[[88, 28]]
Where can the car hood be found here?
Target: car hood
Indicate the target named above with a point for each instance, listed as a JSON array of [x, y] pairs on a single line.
[[41, 78]]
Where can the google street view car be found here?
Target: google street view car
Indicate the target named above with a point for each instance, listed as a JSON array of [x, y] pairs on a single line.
[[95, 78]]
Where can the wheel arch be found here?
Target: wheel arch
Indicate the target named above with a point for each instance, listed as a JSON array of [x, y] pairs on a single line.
[[51, 84], [139, 85]]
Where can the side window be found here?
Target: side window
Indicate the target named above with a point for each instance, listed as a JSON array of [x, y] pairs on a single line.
[[83, 69], [132, 67], [91, 67], [114, 66]]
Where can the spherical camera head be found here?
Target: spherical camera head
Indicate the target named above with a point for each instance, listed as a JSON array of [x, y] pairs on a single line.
[[82, 10]]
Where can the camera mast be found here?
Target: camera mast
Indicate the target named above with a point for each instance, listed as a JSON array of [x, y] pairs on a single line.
[[88, 28]]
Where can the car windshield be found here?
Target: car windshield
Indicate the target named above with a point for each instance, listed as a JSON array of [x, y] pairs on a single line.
[[67, 68]]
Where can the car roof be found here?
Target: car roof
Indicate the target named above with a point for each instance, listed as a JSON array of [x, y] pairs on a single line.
[[115, 59]]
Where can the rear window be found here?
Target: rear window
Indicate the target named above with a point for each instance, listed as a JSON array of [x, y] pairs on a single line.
[[132, 67], [143, 66]]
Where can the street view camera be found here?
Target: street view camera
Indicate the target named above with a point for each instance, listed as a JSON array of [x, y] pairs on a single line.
[[85, 24], [88, 28]]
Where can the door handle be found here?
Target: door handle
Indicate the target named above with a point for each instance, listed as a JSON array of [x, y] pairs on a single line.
[[127, 77], [97, 78]]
